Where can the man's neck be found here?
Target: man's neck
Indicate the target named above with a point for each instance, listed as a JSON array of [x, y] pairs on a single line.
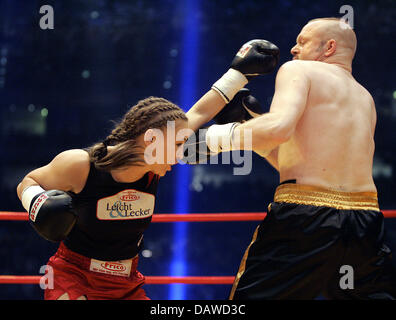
[[339, 62]]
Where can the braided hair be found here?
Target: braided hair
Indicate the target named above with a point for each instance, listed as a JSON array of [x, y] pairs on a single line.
[[149, 113]]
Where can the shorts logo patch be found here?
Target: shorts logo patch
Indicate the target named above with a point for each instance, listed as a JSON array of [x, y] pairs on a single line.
[[116, 268]]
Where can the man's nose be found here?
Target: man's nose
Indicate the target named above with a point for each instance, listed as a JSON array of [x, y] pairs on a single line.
[[294, 50]]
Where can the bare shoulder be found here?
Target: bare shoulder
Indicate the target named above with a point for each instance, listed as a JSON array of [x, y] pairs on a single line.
[[366, 93], [74, 166], [67, 171], [74, 158], [292, 74], [306, 67], [293, 66]]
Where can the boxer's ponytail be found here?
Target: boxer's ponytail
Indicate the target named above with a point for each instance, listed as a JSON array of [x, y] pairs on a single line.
[[148, 113]]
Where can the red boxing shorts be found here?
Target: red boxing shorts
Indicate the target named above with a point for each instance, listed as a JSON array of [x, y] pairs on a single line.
[[78, 276]]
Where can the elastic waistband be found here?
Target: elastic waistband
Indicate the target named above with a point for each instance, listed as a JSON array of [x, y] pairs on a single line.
[[83, 261], [318, 196]]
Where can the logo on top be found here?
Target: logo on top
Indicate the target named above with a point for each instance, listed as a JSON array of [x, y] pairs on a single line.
[[130, 196]]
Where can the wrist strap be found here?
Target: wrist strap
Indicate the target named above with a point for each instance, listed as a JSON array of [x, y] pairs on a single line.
[[229, 84], [219, 137], [28, 194]]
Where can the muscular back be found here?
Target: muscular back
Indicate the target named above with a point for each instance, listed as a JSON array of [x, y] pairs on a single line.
[[332, 145]]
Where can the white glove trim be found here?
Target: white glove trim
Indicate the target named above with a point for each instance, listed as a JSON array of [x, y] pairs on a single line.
[[28, 194], [229, 84], [219, 137]]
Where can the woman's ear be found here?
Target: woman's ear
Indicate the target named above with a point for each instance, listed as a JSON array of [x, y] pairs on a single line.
[[154, 146], [149, 137]]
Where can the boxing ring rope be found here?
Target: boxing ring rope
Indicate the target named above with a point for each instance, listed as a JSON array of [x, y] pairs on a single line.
[[165, 217], [191, 217], [185, 217], [149, 280]]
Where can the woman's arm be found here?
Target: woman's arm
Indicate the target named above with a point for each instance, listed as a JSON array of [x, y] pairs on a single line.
[[68, 171], [254, 58], [43, 193], [204, 110]]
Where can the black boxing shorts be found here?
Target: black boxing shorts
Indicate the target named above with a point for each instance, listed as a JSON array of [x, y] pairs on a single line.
[[310, 240]]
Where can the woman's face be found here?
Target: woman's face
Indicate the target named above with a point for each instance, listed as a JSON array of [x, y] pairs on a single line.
[[165, 147]]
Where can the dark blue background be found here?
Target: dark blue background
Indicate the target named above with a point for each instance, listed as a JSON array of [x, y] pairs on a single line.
[[131, 50]]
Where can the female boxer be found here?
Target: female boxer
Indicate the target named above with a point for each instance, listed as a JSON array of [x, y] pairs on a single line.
[[99, 201]]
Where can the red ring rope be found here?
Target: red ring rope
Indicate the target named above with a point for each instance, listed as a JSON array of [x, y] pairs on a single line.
[[149, 280], [188, 217], [165, 217]]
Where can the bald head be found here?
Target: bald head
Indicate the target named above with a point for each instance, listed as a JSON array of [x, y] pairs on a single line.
[[334, 29], [328, 40]]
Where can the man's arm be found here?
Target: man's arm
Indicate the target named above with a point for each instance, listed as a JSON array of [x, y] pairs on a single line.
[[241, 108], [273, 128], [288, 104]]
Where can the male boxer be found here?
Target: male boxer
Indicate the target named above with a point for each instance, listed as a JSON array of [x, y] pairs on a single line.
[[319, 135]]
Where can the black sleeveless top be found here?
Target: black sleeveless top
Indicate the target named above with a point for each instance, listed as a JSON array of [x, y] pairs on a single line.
[[112, 216]]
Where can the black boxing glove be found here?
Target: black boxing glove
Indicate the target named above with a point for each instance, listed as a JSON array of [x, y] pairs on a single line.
[[50, 212], [256, 57], [242, 107]]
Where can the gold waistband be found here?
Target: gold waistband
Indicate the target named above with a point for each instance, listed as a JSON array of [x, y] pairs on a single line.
[[317, 196]]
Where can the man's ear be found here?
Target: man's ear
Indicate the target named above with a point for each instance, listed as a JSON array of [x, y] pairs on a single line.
[[331, 47], [149, 137]]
